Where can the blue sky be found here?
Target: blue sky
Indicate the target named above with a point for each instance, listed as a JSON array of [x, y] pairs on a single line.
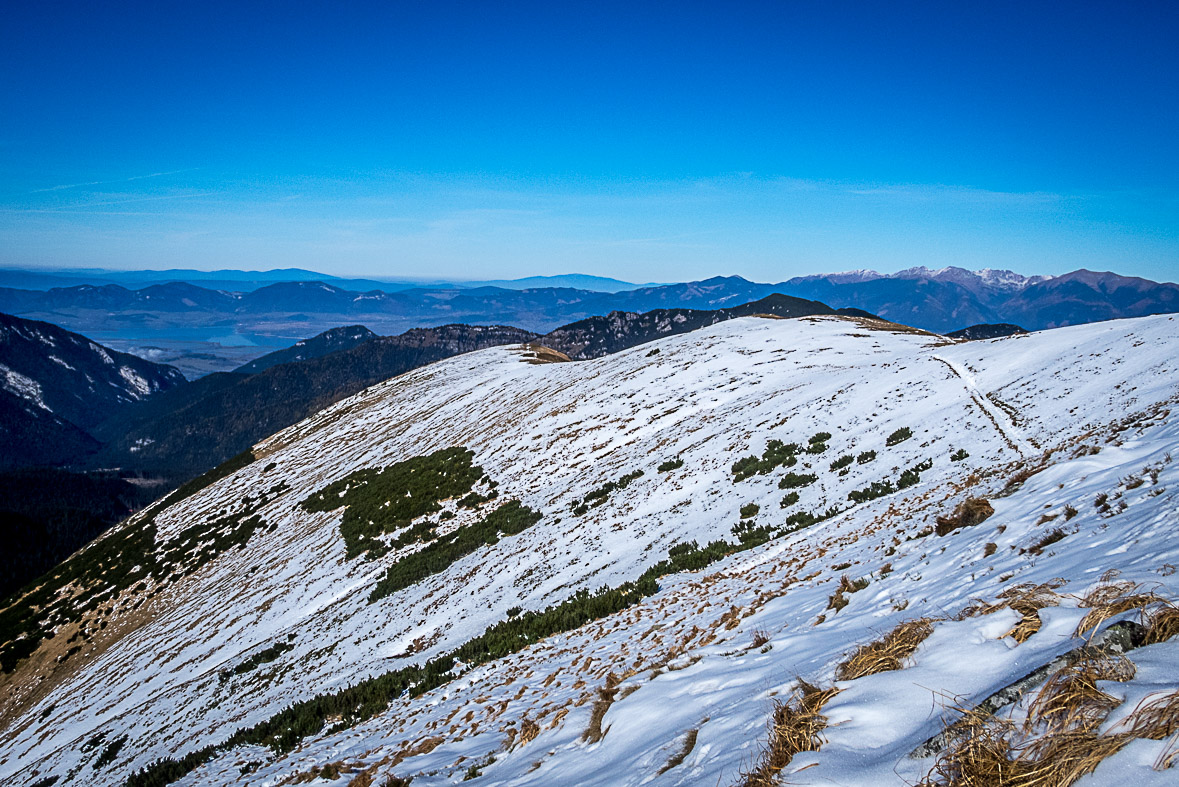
[[645, 141]]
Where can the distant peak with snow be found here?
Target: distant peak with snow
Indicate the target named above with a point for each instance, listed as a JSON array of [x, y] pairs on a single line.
[[989, 277]]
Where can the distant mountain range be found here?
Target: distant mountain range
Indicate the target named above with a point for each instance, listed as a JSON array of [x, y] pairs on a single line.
[[73, 403], [198, 426], [330, 341], [246, 281], [595, 337], [938, 300]]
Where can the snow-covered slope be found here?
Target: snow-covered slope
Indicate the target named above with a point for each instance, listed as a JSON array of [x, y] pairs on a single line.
[[694, 669]]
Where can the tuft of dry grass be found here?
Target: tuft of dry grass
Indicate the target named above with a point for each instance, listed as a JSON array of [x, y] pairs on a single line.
[[1028, 599], [1106, 601], [529, 729], [537, 353], [758, 637], [887, 653], [970, 512], [681, 755], [796, 726], [1070, 698], [838, 600], [1161, 624], [594, 732], [980, 753], [1023, 474], [1061, 758], [1156, 718], [1046, 540], [395, 781], [1057, 745]]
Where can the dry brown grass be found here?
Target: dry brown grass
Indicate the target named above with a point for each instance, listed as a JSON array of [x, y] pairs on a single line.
[[1106, 601], [594, 732], [1156, 718], [1057, 745], [363, 779], [529, 729], [396, 781], [838, 600], [1028, 599], [1070, 698], [537, 353], [796, 726], [1046, 540], [887, 653], [1161, 624], [969, 513], [678, 758], [1020, 476], [986, 752]]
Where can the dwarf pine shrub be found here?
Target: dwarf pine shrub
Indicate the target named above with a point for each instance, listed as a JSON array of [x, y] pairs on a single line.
[[379, 501], [797, 480], [509, 519], [777, 454], [912, 475], [600, 495]]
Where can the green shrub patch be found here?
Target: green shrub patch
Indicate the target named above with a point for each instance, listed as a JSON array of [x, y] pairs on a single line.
[[842, 462], [600, 495], [797, 480], [381, 501], [509, 519], [126, 557], [287, 729], [777, 454], [264, 656], [670, 464]]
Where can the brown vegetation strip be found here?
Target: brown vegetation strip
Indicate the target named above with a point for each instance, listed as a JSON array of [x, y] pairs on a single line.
[[795, 726], [594, 732], [970, 512], [888, 653], [1109, 600], [681, 755]]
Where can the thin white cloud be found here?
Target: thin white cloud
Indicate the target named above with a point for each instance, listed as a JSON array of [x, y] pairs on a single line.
[[85, 207], [64, 186]]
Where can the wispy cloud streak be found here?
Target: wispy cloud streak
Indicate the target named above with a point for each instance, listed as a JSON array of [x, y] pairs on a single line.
[[64, 186]]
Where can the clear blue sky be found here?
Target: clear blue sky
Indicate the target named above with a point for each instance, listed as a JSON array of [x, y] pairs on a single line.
[[646, 141]]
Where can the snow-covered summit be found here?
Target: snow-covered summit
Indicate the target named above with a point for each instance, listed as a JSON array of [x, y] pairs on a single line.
[[987, 277]]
